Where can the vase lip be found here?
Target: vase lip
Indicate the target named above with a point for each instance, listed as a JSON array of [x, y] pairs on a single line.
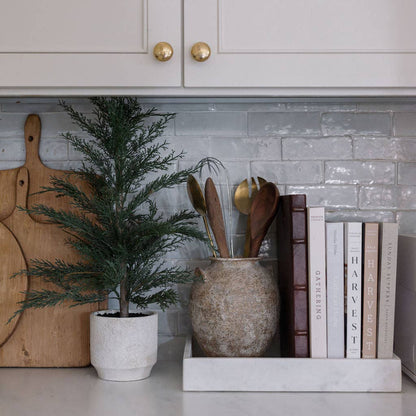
[[235, 259], [149, 314]]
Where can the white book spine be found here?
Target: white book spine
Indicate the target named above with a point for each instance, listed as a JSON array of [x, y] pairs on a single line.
[[317, 282], [335, 289], [353, 261], [387, 289]]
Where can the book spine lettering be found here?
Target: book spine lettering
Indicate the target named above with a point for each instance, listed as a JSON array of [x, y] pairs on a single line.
[[370, 268], [317, 282], [353, 249], [335, 289], [387, 289]]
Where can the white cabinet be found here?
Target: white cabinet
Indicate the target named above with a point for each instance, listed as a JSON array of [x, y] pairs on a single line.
[[262, 47], [88, 43], [302, 43]]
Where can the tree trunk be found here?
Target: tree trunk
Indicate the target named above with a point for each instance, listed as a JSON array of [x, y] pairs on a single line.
[[124, 303]]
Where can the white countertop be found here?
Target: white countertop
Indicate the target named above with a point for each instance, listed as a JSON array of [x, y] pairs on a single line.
[[78, 392]]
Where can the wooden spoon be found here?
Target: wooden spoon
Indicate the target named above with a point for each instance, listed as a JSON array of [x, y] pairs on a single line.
[[198, 202], [215, 217], [243, 199], [263, 211]]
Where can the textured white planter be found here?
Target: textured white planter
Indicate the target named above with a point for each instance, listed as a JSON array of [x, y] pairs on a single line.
[[123, 349]]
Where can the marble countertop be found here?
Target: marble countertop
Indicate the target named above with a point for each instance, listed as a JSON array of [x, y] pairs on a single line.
[[61, 392]]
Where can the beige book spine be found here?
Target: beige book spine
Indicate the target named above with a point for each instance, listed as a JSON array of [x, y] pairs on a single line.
[[387, 289], [370, 266]]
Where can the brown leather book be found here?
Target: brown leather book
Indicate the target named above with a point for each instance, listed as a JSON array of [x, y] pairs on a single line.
[[293, 275]]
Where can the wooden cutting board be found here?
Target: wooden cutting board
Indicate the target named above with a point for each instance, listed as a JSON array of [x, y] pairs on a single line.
[[11, 261], [48, 337], [39, 176]]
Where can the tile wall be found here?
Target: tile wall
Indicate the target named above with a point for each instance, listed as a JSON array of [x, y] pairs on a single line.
[[356, 157]]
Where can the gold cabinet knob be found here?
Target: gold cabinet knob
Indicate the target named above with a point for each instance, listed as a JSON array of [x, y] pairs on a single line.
[[163, 51], [200, 51]]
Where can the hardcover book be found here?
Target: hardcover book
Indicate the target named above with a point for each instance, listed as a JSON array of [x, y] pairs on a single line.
[[370, 271], [353, 261], [405, 311], [317, 282], [335, 289], [387, 289], [293, 275]]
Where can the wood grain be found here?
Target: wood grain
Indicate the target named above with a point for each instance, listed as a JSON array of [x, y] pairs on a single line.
[[39, 176], [263, 211], [11, 261], [215, 217], [49, 337]]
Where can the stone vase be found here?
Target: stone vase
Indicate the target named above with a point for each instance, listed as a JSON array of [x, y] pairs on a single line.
[[234, 308], [123, 349]]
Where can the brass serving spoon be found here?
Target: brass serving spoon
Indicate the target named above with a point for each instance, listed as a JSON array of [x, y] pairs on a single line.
[[243, 200], [198, 202]]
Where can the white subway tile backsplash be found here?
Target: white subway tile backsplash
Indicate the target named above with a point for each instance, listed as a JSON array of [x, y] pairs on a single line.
[[355, 172], [211, 123], [407, 173], [283, 124], [11, 125], [356, 123], [389, 148], [355, 157], [307, 148], [407, 222], [330, 196], [305, 172], [12, 149], [263, 148], [53, 149], [404, 124], [322, 107], [388, 197]]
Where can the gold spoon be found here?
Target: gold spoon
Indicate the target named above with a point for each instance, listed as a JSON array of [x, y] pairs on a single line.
[[198, 202], [243, 200]]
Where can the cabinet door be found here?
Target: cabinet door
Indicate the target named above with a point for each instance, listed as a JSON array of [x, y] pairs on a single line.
[[302, 43], [88, 43]]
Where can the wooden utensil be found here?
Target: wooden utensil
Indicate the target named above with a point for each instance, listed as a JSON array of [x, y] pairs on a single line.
[[215, 217], [11, 290], [39, 176], [263, 211], [243, 199], [48, 337], [198, 202]]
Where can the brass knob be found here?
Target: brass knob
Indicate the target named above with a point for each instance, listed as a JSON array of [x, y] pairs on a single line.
[[163, 51], [200, 51]]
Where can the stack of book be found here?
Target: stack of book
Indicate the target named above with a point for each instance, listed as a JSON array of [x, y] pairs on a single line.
[[337, 284]]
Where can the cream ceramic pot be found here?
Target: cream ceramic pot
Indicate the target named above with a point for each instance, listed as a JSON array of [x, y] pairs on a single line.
[[123, 349], [234, 308]]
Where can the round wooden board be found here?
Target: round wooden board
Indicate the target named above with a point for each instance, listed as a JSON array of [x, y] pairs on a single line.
[[11, 261]]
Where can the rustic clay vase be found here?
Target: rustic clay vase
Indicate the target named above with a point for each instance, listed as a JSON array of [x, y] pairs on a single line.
[[234, 308]]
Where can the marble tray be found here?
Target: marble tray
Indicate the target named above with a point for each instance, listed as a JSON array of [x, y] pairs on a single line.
[[289, 374]]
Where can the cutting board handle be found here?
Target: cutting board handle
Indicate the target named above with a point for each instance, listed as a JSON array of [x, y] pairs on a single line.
[[32, 139], [22, 187]]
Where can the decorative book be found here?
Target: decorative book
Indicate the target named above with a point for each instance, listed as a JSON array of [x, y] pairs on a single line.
[[370, 270], [335, 289], [293, 276], [353, 261], [405, 312], [317, 282], [387, 289]]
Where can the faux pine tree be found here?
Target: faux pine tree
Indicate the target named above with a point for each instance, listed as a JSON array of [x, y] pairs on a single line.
[[116, 227]]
